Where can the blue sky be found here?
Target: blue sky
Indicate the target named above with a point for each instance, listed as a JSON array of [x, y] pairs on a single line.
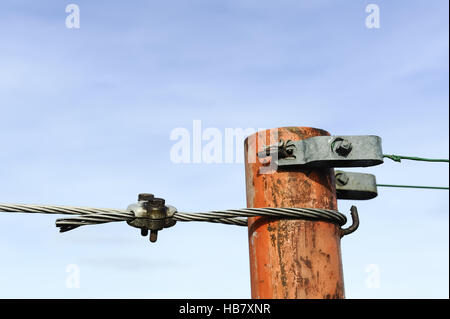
[[87, 114]]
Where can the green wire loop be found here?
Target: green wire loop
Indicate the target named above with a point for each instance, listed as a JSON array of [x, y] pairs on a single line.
[[398, 158]]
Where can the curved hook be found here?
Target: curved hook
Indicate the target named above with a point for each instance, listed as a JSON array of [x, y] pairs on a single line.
[[355, 222]]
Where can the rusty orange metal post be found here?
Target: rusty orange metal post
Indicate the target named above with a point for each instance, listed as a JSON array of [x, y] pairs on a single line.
[[291, 258]]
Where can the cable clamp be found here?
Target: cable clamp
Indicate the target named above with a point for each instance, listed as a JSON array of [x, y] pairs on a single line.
[[355, 186], [326, 151], [151, 214]]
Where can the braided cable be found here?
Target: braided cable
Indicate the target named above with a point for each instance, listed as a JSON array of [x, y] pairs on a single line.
[[94, 216]]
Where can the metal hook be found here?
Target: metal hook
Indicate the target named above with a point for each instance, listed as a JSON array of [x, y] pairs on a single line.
[[355, 222]]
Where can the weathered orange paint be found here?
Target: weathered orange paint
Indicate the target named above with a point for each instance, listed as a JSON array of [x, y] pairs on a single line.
[[291, 258]]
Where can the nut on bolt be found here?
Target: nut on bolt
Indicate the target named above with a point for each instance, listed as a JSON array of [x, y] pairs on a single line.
[[283, 149], [341, 146], [157, 211], [151, 214], [341, 178], [146, 197]]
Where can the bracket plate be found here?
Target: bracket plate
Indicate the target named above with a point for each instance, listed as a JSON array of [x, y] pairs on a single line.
[[357, 186], [332, 151]]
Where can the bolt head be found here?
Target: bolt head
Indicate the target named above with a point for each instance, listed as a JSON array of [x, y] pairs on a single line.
[[342, 147], [158, 203], [146, 197], [342, 179]]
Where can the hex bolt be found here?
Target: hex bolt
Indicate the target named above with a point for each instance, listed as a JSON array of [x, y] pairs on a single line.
[[157, 210], [158, 202], [342, 179], [146, 197], [153, 235], [342, 146]]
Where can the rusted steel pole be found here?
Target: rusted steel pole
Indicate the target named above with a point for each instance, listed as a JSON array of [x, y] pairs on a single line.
[[291, 258]]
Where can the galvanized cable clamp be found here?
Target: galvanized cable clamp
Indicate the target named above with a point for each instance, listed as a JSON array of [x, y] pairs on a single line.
[[326, 151], [151, 214], [358, 186]]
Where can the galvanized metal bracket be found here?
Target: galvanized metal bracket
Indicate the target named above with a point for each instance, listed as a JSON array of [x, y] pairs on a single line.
[[326, 151], [357, 186], [151, 214]]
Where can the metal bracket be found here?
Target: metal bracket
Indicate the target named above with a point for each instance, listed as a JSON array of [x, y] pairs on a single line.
[[355, 222], [326, 151], [357, 186], [151, 214]]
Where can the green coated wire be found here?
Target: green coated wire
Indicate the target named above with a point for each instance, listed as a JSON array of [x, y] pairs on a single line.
[[412, 186], [398, 158]]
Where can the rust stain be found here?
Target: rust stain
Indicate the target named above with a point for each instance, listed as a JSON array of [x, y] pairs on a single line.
[[292, 258], [307, 262]]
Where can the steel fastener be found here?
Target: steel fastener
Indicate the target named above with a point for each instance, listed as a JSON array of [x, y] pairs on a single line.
[[341, 146], [342, 178], [151, 214], [146, 197], [283, 149]]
